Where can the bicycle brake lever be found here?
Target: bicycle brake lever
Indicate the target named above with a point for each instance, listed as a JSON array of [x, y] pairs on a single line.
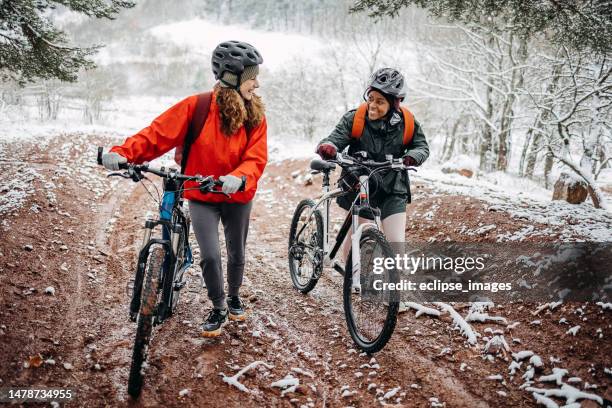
[[124, 175]]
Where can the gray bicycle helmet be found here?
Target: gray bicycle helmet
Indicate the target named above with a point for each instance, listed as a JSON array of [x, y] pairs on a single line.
[[389, 81], [233, 57]]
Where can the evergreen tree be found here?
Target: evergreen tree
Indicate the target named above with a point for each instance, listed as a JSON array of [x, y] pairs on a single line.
[[31, 47]]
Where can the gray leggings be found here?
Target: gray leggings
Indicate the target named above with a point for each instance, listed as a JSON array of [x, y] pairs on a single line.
[[205, 220]]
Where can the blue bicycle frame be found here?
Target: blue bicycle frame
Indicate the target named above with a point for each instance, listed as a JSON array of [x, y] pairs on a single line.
[[169, 240], [169, 200]]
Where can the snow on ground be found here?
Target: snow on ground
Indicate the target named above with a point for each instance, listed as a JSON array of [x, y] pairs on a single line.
[[524, 199], [120, 119], [14, 191]]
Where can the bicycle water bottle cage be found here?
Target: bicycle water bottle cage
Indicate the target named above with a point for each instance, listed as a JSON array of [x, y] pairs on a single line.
[[322, 165]]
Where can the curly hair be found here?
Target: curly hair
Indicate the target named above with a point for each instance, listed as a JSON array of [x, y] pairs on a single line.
[[237, 112]]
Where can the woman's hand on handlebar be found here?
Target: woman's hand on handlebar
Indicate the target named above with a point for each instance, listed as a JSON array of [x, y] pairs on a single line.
[[409, 161], [113, 161], [327, 151], [231, 184], [208, 185]]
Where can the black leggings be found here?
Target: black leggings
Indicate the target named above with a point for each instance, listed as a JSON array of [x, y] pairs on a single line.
[[205, 220]]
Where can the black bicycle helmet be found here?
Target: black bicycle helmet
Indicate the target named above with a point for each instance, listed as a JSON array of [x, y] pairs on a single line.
[[233, 56], [388, 81]]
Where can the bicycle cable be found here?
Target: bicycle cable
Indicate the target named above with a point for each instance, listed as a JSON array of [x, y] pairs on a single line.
[[158, 200]]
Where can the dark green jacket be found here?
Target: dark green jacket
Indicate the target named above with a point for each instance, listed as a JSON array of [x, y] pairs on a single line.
[[380, 138]]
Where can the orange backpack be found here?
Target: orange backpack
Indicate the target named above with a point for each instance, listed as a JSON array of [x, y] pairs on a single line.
[[359, 123]]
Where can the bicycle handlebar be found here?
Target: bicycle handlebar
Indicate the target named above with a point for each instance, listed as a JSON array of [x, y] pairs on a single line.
[[134, 172], [350, 160]]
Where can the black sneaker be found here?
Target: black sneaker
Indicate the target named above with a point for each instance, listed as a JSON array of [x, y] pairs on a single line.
[[236, 309], [215, 320]]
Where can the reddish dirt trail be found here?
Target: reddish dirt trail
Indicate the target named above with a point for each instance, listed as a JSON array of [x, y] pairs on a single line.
[[85, 323]]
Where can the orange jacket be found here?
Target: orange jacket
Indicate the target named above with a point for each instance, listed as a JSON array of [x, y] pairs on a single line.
[[213, 153]]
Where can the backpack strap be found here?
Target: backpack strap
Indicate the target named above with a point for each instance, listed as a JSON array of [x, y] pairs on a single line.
[[194, 129], [359, 123], [408, 125]]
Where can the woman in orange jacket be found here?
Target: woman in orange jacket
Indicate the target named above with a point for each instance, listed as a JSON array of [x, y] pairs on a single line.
[[232, 144]]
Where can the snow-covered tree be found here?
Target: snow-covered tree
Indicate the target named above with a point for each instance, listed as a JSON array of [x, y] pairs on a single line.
[[579, 24], [31, 47], [477, 73], [574, 101]]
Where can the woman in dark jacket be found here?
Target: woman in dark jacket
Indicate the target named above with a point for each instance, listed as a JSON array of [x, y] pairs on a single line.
[[383, 134]]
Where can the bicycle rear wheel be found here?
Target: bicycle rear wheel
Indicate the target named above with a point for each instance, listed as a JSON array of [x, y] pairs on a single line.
[[370, 314], [306, 250], [148, 310]]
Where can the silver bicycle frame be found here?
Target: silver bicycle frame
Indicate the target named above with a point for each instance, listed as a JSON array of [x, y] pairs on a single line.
[[325, 198], [356, 236], [357, 229]]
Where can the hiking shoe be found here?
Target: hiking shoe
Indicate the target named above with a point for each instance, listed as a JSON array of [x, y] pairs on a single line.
[[215, 320], [237, 310]]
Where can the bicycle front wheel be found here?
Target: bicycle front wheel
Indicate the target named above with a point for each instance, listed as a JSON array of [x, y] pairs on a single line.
[[306, 247], [148, 310], [370, 314], [179, 271]]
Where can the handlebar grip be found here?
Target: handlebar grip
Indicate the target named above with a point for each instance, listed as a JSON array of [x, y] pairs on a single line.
[[122, 166], [242, 186]]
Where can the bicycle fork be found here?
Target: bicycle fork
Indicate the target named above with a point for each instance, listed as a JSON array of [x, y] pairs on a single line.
[[357, 232], [140, 270], [170, 241]]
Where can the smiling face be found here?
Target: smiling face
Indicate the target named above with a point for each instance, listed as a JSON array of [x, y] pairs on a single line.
[[378, 106], [248, 87]]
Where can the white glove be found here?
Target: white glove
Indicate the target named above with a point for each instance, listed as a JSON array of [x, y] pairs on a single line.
[[112, 160], [231, 184]]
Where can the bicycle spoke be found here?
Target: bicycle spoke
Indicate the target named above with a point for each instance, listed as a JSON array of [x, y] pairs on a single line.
[[305, 246]]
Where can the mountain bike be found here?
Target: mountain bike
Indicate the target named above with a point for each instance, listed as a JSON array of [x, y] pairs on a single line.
[[370, 314], [163, 257]]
